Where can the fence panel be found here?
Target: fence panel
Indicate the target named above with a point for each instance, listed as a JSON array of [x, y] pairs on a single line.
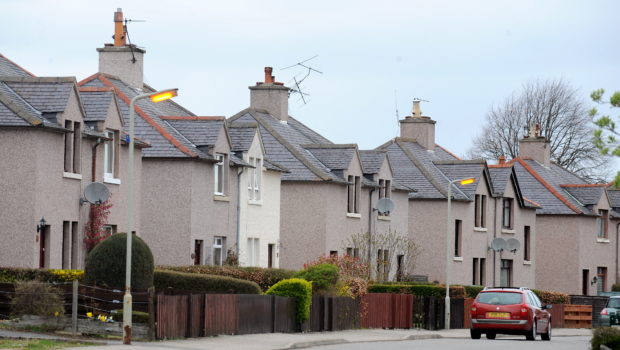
[[597, 302], [172, 316], [284, 315], [557, 316], [317, 321], [373, 309], [344, 313], [467, 312], [255, 314], [457, 311], [196, 315], [221, 314], [403, 311]]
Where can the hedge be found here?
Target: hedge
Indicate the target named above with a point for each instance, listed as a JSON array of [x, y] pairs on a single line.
[[14, 274], [265, 278], [549, 297], [296, 288], [203, 283], [607, 336], [322, 276]]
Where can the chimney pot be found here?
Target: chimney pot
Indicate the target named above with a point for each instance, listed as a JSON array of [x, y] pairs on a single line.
[[269, 79], [119, 28], [502, 160]]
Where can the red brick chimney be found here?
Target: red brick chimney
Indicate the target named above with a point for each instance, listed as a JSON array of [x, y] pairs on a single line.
[[501, 160]]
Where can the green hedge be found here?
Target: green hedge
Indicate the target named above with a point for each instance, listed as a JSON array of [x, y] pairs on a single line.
[[265, 278], [203, 283], [607, 336], [296, 288], [419, 290], [472, 291], [322, 276], [15, 274], [549, 297]]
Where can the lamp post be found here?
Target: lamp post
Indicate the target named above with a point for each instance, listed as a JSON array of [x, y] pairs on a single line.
[[157, 96], [465, 181]]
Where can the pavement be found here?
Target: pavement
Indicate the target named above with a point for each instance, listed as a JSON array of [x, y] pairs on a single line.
[[281, 341]]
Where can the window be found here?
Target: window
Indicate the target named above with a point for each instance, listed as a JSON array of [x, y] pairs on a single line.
[[480, 207], [73, 141], [381, 188], [526, 243], [253, 251], [110, 229], [585, 281], [270, 252], [457, 237], [483, 271], [383, 264], [474, 280], [507, 213], [603, 223], [353, 252], [75, 244], [505, 275], [220, 174], [353, 194], [254, 179], [198, 251], [384, 191], [333, 253], [601, 281], [399, 267], [110, 155], [66, 244], [218, 250]]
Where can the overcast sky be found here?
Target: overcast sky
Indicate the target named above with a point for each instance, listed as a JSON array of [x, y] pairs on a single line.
[[376, 56]]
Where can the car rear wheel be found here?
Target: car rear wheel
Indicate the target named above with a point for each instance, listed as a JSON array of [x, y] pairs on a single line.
[[474, 334], [547, 335], [490, 335], [531, 335]]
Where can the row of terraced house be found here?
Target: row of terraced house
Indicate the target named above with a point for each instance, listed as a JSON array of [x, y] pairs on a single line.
[[263, 188]]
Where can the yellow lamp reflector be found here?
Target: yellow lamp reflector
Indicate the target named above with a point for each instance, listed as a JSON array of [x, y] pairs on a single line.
[[471, 180], [164, 95]]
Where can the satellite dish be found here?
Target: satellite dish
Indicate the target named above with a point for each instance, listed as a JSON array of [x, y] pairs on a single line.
[[95, 193], [498, 244], [385, 205], [513, 244]]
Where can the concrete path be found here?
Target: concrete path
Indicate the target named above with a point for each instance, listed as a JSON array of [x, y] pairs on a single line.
[[304, 340]]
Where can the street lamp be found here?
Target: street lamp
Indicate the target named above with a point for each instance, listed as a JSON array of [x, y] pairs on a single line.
[[157, 96], [465, 181]]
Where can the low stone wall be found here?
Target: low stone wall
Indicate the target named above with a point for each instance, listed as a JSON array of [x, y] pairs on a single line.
[[85, 326]]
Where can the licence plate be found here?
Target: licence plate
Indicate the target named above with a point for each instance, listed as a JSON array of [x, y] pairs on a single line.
[[498, 314]]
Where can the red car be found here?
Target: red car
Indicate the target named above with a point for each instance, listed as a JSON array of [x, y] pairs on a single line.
[[507, 310]]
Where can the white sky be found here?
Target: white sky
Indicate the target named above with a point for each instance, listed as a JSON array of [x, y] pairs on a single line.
[[463, 56]]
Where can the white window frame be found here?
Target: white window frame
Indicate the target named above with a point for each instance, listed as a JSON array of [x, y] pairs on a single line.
[[254, 179], [253, 247], [109, 149], [219, 174], [218, 243]]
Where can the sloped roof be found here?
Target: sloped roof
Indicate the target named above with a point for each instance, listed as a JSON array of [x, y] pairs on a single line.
[[372, 160], [201, 131], [614, 198], [500, 176], [586, 195], [96, 102], [241, 137], [284, 144], [461, 169], [335, 157], [9, 68], [166, 140]]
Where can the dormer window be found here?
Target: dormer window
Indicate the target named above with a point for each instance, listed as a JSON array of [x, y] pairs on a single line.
[[603, 223], [220, 174], [110, 156], [507, 219], [354, 188], [73, 140]]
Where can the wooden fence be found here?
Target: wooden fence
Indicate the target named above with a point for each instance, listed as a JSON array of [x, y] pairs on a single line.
[[386, 310]]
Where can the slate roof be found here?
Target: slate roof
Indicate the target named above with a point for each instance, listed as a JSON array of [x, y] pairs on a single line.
[[500, 176], [201, 131], [335, 157], [9, 68], [96, 103], [284, 144], [50, 97], [372, 160], [614, 198], [166, 140], [241, 137], [460, 169], [586, 195]]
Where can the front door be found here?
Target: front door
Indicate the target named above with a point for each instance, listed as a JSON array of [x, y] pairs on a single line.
[[270, 249], [198, 252], [44, 233], [585, 279]]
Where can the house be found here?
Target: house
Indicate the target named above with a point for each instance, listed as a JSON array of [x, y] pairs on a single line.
[[577, 222], [492, 207], [54, 141], [327, 196]]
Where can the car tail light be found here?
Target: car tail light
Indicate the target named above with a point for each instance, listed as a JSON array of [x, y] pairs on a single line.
[[605, 312], [524, 310]]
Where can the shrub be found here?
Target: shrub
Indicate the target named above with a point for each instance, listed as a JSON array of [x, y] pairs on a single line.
[[15, 274], [137, 316], [203, 283], [265, 278], [615, 287], [105, 264], [607, 336], [322, 276], [472, 291], [37, 298], [68, 275], [548, 297], [420, 290], [296, 288], [352, 274]]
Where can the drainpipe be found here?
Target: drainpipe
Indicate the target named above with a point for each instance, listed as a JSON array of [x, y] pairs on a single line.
[[370, 213], [239, 211], [494, 236], [617, 235]]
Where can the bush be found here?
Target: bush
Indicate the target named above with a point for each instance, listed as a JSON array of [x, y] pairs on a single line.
[[322, 276], [548, 297], [607, 336], [68, 275], [352, 274], [203, 283], [296, 288], [265, 278], [472, 291], [137, 316], [37, 298], [15, 274], [105, 264], [615, 287], [429, 290]]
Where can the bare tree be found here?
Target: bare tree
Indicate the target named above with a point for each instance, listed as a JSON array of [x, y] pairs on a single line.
[[381, 252], [563, 119]]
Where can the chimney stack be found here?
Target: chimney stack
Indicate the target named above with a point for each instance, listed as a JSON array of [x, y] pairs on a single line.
[[535, 146], [419, 127], [121, 60], [501, 160], [270, 96]]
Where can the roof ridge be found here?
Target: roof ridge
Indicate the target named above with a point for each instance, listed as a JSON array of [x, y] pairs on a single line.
[[12, 79], [457, 162], [18, 109], [291, 149], [189, 117], [546, 185], [17, 65], [531, 201], [423, 169], [148, 119], [584, 185], [330, 145], [450, 153], [505, 165], [95, 88]]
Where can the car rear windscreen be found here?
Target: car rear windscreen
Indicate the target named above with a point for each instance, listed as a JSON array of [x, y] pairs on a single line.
[[500, 298], [614, 302]]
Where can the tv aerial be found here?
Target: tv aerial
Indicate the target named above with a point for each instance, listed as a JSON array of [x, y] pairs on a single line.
[[385, 206], [512, 245], [95, 193], [127, 21], [498, 244], [297, 89]]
